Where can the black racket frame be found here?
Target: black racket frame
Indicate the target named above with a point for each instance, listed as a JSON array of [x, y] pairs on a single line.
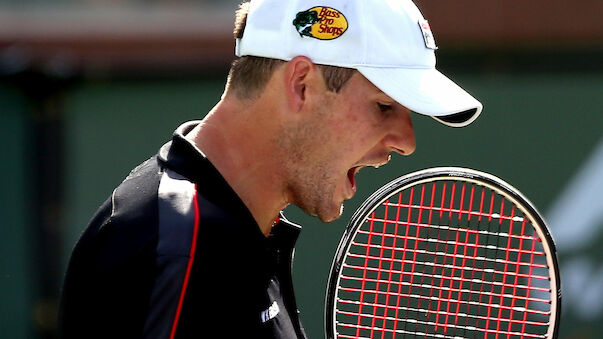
[[451, 173]]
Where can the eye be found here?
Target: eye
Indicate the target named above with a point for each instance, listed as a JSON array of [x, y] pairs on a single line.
[[384, 108]]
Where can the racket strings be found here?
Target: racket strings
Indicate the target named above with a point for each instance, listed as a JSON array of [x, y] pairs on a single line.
[[441, 261]]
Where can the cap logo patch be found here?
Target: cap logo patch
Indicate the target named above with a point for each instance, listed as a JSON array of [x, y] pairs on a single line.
[[323, 23], [427, 35]]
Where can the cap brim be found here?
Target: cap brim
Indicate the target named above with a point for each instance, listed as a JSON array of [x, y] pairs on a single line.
[[426, 91]]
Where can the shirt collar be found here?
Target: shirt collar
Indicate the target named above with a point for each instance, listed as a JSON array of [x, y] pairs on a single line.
[[182, 156]]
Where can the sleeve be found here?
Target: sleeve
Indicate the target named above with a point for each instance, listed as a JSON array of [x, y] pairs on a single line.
[[110, 273]]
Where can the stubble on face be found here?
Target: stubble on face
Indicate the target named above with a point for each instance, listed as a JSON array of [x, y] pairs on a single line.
[[310, 172]]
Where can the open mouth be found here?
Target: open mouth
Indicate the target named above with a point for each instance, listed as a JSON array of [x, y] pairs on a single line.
[[354, 170], [351, 176]]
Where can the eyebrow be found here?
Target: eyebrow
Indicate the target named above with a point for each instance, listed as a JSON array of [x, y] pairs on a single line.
[[382, 94]]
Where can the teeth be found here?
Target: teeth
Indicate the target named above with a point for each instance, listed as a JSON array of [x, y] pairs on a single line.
[[389, 157]]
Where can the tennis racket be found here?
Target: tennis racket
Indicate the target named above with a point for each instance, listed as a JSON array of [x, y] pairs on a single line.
[[445, 253]]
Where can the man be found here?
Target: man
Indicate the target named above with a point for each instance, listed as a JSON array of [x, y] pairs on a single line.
[[192, 244]]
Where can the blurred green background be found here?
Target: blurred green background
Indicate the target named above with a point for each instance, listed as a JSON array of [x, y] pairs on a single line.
[[86, 95]]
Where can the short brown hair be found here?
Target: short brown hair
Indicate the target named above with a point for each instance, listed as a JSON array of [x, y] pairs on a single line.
[[249, 74]]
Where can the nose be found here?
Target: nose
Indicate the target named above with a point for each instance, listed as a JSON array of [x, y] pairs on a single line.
[[401, 134]]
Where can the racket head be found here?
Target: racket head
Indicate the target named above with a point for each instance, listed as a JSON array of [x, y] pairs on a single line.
[[524, 214]]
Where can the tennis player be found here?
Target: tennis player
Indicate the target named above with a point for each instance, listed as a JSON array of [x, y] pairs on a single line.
[[193, 244]]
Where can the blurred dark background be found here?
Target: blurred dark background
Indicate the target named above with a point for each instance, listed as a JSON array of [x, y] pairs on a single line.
[[91, 88]]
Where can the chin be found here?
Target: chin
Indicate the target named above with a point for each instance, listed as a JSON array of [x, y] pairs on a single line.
[[331, 215]]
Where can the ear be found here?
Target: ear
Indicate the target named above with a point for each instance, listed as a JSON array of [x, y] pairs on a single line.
[[298, 74]]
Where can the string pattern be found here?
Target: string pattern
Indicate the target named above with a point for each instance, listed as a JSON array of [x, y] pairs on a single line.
[[445, 259]]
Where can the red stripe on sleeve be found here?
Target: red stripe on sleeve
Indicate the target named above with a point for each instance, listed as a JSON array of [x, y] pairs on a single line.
[[190, 264]]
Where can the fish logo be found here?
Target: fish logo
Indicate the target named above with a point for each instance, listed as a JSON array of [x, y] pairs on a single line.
[[323, 23]]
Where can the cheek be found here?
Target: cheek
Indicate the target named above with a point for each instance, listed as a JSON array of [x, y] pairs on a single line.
[[355, 125], [358, 130]]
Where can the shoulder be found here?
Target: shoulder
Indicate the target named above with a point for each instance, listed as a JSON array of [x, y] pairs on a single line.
[[136, 197], [126, 223]]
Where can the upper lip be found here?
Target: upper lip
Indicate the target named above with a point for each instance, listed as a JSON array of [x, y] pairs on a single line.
[[375, 164], [357, 168]]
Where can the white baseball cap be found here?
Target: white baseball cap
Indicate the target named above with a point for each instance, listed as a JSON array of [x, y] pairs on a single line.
[[387, 41]]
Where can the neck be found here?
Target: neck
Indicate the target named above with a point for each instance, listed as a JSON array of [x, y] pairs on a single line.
[[238, 138]]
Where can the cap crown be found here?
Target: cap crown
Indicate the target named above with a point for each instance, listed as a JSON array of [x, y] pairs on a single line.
[[364, 33]]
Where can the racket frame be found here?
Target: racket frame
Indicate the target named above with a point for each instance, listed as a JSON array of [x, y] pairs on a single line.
[[428, 175]]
